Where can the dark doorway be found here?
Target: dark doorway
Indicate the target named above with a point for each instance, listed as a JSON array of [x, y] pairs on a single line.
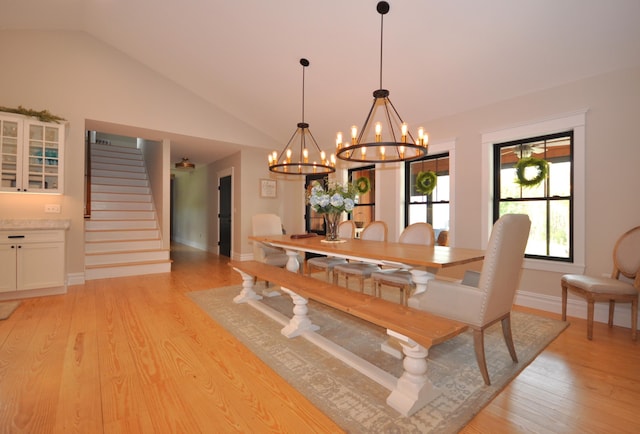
[[224, 245]]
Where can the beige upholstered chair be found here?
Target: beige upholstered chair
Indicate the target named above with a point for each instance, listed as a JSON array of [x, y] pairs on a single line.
[[417, 233], [626, 262], [267, 224], [374, 231], [492, 299], [346, 230]]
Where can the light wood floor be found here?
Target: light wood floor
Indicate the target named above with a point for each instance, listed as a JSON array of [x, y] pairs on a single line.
[[135, 354]]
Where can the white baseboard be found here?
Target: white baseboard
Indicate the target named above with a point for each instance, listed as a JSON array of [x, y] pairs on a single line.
[[576, 307], [75, 278]]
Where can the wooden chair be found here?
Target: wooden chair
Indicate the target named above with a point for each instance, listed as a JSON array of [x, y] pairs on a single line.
[[417, 233], [626, 262], [491, 301], [374, 231], [268, 224], [346, 230]]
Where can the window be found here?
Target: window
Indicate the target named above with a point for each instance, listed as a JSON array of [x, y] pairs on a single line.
[[549, 203], [574, 122], [365, 209], [431, 208]]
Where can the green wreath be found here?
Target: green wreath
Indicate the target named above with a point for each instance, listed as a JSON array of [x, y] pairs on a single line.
[[541, 165], [426, 182], [363, 185]]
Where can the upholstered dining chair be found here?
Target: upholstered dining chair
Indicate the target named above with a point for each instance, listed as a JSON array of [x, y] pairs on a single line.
[[492, 299], [268, 224], [374, 231], [346, 230], [626, 262], [416, 233]]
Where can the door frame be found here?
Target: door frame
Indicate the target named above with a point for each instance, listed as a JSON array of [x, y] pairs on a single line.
[[221, 174]]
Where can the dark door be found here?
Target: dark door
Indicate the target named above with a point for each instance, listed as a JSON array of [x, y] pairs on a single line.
[[224, 217]]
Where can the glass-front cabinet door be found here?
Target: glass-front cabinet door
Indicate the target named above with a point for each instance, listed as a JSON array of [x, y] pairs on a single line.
[[32, 155], [10, 153]]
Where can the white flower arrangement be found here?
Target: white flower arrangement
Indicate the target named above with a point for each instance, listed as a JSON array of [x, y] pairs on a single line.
[[332, 197]]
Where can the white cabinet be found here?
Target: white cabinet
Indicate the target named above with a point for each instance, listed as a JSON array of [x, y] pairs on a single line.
[[32, 260], [31, 153]]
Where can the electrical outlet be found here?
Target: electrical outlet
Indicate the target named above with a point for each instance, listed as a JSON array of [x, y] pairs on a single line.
[[52, 208]]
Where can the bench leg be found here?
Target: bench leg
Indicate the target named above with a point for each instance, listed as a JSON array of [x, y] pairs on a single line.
[[247, 292], [413, 390], [300, 322]]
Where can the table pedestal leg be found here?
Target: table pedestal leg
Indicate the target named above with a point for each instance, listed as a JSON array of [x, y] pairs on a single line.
[[300, 321], [247, 292], [420, 278], [293, 264], [413, 390]]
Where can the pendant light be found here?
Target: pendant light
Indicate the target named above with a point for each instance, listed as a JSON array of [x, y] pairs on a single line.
[[301, 160], [185, 164], [384, 137]]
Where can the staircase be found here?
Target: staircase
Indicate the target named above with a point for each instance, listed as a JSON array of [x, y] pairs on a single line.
[[122, 237]]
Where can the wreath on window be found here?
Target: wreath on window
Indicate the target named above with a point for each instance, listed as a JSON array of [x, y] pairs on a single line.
[[426, 182], [542, 169], [363, 185]]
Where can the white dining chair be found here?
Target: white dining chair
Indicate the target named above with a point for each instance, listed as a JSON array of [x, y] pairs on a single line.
[[346, 230], [492, 299], [416, 233], [268, 224], [374, 231]]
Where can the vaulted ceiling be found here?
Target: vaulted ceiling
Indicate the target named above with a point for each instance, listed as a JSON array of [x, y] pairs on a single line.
[[440, 57]]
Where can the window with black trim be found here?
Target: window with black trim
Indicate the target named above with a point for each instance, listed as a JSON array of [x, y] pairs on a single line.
[[427, 193], [365, 210], [534, 176]]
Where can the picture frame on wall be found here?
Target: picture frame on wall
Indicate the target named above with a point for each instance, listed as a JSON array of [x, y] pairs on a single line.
[[268, 188]]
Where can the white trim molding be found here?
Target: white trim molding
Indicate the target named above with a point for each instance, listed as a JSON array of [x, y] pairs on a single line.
[[575, 121]]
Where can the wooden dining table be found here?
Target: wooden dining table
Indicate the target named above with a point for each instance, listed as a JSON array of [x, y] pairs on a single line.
[[422, 261]]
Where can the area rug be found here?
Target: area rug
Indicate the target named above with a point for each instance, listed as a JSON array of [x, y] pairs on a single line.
[[7, 308], [357, 403]]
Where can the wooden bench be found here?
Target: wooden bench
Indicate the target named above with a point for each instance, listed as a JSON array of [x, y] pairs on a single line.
[[415, 330]]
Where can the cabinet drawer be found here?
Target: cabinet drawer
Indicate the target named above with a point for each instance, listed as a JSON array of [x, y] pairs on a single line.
[[11, 237]]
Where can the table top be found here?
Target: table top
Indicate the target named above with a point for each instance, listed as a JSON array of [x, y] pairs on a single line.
[[382, 252]]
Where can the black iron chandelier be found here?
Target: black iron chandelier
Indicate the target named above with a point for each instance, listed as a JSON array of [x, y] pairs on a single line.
[[302, 161], [384, 137]]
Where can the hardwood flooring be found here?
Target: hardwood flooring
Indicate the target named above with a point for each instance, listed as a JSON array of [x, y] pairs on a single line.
[[134, 354]]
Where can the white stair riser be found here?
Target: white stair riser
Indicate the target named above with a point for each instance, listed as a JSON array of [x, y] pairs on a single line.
[[96, 188], [116, 149], [103, 152], [112, 235], [120, 197], [115, 173], [116, 160], [119, 246], [121, 206], [124, 257], [117, 167], [131, 270], [120, 224], [122, 215], [119, 181]]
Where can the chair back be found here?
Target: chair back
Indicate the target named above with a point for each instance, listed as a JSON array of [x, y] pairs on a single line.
[[502, 267], [375, 231], [626, 256], [418, 233], [347, 229], [266, 224]]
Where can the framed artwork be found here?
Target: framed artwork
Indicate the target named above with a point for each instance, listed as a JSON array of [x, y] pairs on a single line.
[[268, 188]]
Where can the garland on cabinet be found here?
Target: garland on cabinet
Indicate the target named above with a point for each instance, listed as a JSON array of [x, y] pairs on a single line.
[[43, 116]]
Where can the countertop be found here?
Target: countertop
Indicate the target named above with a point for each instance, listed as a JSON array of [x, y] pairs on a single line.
[[34, 224]]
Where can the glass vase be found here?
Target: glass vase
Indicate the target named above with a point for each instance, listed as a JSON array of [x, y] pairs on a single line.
[[331, 222]]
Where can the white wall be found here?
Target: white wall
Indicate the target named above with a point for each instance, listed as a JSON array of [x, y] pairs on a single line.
[[77, 77]]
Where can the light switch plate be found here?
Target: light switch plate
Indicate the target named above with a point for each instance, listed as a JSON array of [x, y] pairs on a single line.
[[52, 208]]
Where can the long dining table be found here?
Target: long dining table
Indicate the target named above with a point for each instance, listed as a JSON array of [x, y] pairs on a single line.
[[423, 262]]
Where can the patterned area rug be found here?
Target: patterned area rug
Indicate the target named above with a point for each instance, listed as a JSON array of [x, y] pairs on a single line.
[[357, 403], [7, 308]]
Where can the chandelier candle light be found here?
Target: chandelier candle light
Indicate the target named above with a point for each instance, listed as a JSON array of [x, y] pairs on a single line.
[[303, 162], [387, 139]]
